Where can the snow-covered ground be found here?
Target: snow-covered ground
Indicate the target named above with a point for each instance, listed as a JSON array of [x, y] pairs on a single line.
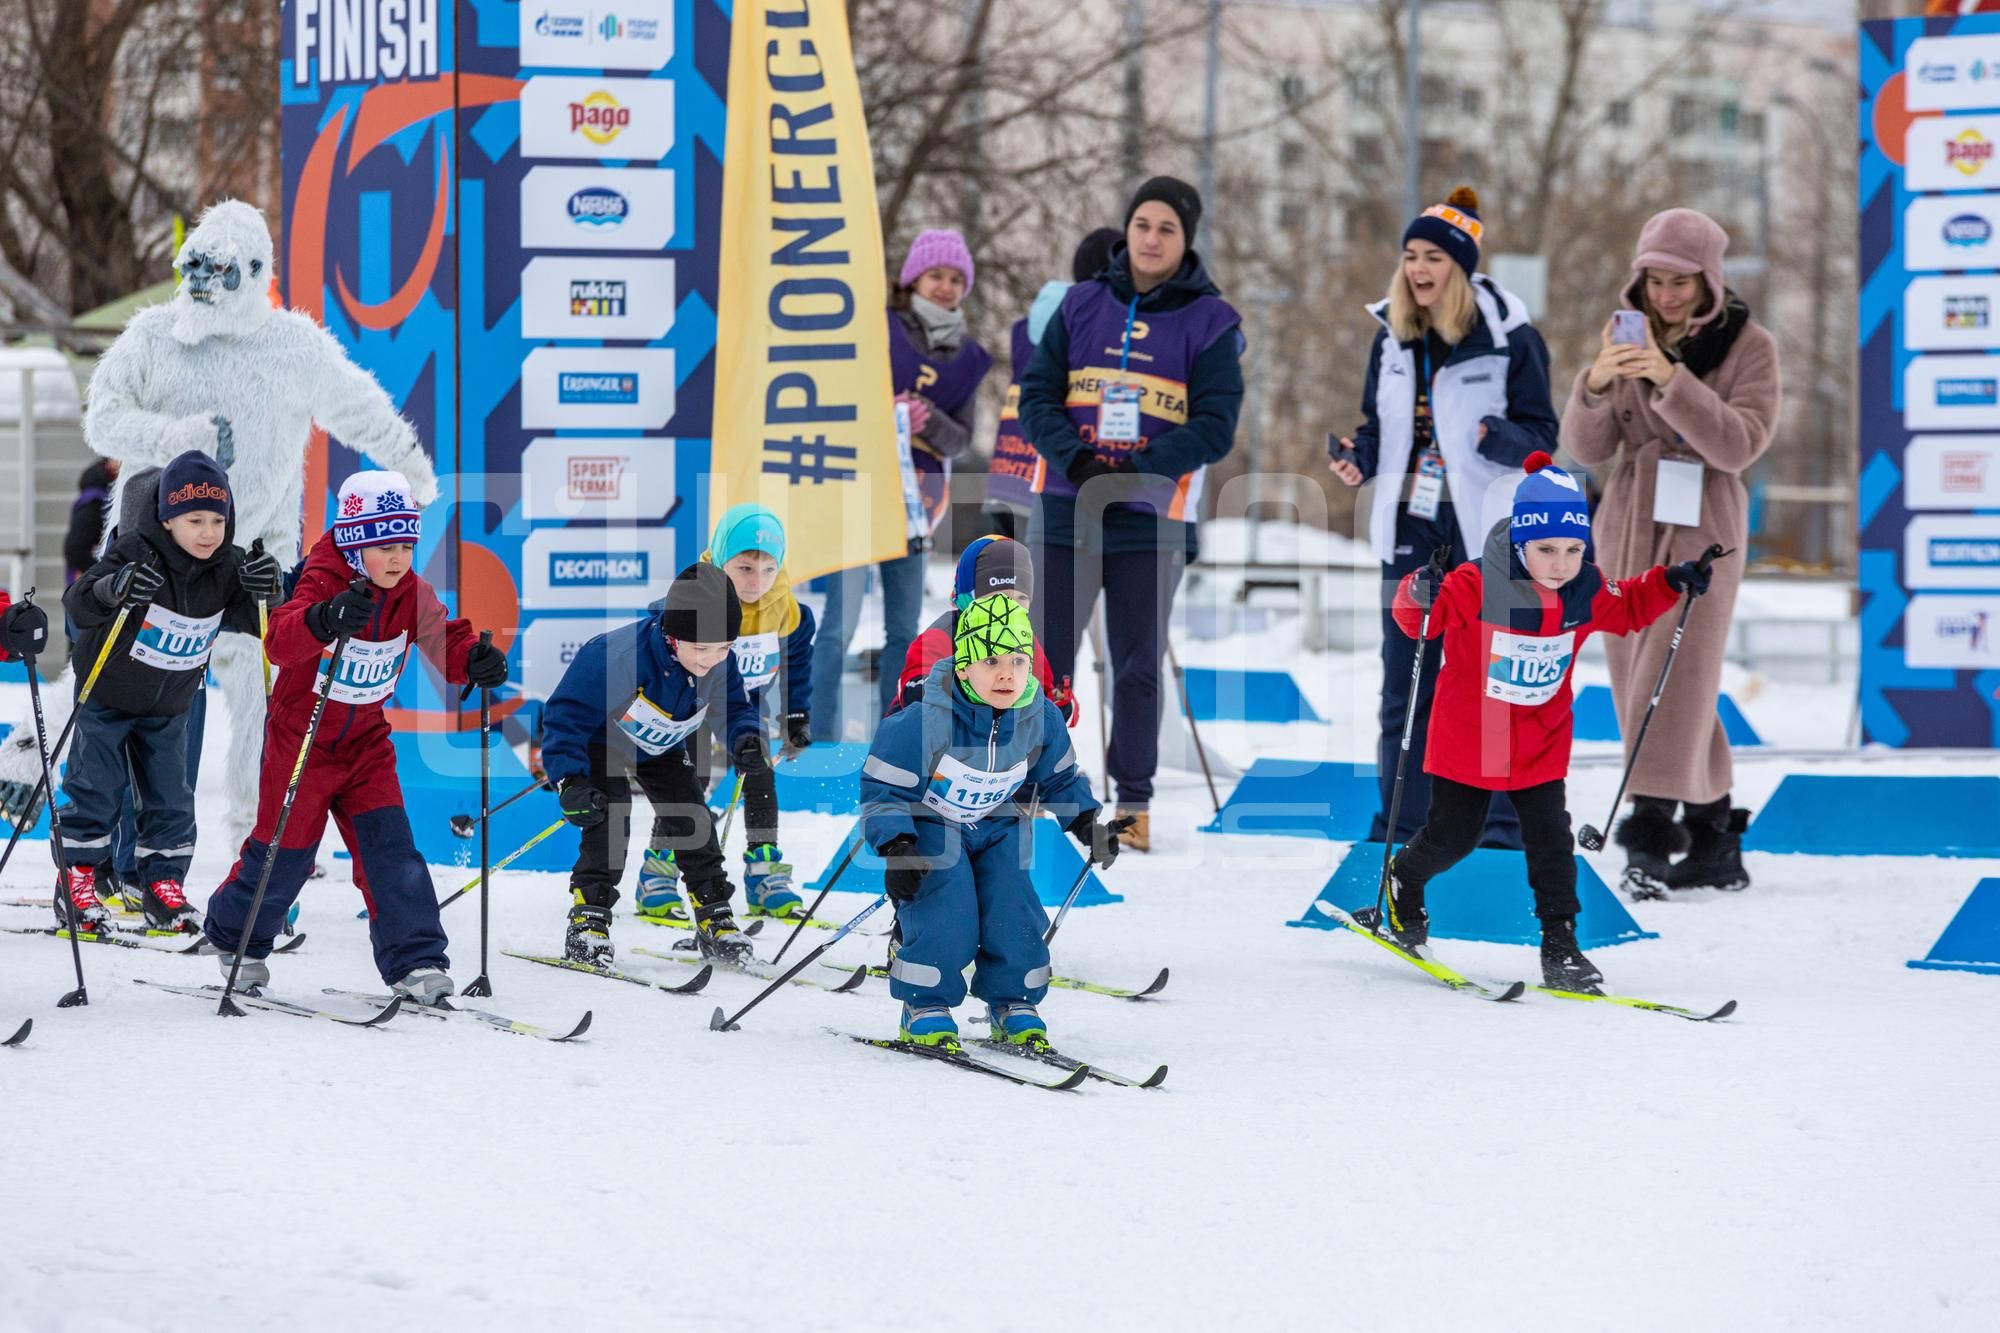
[[1341, 1144]]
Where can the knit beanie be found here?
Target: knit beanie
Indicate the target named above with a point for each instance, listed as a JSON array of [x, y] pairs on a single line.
[[702, 606], [375, 509], [992, 564], [747, 527], [193, 482], [993, 626], [936, 248], [1453, 227], [1548, 503], [1094, 252], [1178, 195]]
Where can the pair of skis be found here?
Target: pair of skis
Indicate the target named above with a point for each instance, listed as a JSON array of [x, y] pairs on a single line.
[[382, 1008], [1077, 1071]]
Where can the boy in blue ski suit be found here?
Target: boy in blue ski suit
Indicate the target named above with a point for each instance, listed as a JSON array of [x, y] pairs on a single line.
[[631, 703], [944, 792]]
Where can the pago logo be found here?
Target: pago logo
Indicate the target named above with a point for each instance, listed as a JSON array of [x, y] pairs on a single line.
[[1967, 230], [1968, 393], [1969, 151], [599, 118], [599, 206]]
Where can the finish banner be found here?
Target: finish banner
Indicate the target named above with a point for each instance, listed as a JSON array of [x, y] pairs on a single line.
[[804, 420]]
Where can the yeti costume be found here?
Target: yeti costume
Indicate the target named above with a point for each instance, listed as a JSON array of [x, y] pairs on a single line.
[[220, 369]]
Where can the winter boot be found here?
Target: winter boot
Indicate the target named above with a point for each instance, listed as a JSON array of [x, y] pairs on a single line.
[[81, 885], [660, 888], [717, 937], [428, 986], [1564, 966], [589, 938], [767, 883], [167, 908], [1651, 840], [1715, 851], [1016, 1023], [1138, 838], [931, 1025], [255, 973]]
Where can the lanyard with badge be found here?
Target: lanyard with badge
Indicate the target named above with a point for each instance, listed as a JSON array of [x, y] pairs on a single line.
[[1677, 490], [1118, 412], [1427, 490]]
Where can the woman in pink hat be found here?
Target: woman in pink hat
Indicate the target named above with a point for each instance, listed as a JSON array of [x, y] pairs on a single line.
[[1672, 421], [935, 368]]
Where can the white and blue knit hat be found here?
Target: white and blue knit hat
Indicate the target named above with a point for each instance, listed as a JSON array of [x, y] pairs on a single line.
[[375, 509], [1548, 502]]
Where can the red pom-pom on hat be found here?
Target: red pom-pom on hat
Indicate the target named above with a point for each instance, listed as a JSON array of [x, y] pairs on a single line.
[[1537, 461]]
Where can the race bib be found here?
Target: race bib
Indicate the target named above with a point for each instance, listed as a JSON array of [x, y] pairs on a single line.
[[652, 730], [1118, 414], [368, 671], [174, 642], [966, 795], [1528, 670], [757, 658]]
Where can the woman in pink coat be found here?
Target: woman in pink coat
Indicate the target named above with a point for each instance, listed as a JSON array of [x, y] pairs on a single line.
[[1671, 425]]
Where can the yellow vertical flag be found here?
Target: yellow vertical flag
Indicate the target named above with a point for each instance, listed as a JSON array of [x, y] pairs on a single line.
[[804, 417]]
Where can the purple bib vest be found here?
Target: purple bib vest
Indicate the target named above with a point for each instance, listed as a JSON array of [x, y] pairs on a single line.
[[949, 383], [1010, 480]]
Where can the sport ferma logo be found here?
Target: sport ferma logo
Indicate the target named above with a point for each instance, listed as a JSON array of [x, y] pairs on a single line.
[[599, 118]]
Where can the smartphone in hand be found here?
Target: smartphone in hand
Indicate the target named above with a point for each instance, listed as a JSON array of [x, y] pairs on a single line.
[[1629, 327]]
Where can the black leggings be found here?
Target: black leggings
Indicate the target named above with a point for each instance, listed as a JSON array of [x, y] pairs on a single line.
[[681, 821], [760, 807], [1458, 819]]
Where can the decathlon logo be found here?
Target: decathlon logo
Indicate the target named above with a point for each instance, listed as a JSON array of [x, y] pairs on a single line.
[[1964, 553], [583, 387], [595, 569]]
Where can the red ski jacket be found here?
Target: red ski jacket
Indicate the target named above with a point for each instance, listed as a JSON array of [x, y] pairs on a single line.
[[1501, 716], [935, 644], [409, 613]]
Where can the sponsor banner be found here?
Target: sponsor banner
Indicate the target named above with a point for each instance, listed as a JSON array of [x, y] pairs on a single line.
[[1960, 232], [595, 569], [1952, 472], [1950, 313], [550, 643], [639, 35], [804, 419], [1953, 153], [1952, 551], [599, 388], [1952, 73], [629, 298], [627, 120], [1951, 632], [626, 479], [1952, 393], [597, 208]]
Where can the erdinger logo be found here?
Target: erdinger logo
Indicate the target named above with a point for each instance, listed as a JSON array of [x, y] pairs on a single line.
[[198, 490], [1968, 393], [1962, 473], [1971, 628], [599, 118], [583, 387], [599, 206], [1970, 151], [596, 478]]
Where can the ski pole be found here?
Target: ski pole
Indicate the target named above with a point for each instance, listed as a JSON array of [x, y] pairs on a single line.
[[729, 814], [1118, 826], [462, 826], [1103, 696], [718, 1023], [1187, 711], [825, 889], [1436, 564], [503, 863], [480, 985], [1591, 839], [81, 995], [228, 1006], [263, 626]]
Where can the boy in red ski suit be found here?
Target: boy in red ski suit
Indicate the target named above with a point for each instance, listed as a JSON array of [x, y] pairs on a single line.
[[351, 772], [1512, 623], [988, 565]]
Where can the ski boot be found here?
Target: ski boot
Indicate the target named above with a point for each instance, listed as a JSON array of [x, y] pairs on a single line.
[[1406, 924], [1016, 1023], [292, 918], [1715, 849], [427, 986], [589, 938], [120, 891], [1564, 966], [255, 974], [81, 884], [659, 894], [716, 935], [167, 907], [932, 1025], [1651, 840], [767, 884]]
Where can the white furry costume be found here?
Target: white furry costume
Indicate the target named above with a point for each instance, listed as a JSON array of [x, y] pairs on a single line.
[[219, 369]]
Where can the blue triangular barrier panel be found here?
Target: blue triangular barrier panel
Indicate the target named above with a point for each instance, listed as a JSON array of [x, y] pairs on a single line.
[[1484, 897], [1056, 862], [1303, 799], [1246, 696], [1879, 815], [1971, 943], [825, 778], [439, 772], [1597, 718]]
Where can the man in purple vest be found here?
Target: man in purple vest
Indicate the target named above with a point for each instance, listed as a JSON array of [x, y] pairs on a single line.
[[1134, 390]]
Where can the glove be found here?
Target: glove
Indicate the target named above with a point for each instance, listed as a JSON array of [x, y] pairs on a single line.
[[485, 666], [1424, 585], [133, 585], [1087, 467], [798, 733], [750, 754], [1101, 839], [906, 872], [583, 804], [345, 613], [260, 574], [24, 630], [1689, 576]]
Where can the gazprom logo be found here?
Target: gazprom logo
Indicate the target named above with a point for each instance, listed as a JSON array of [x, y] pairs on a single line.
[[599, 569], [1980, 392], [583, 387], [599, 206]]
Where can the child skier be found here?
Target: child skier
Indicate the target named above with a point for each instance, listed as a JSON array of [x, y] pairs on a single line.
[[631, 702], [942, 793], [351, 772], [988, 565], [1512, 623], [775, 642], [181, 580]]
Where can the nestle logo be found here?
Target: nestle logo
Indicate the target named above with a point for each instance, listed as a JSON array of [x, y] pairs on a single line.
[[588, 387], [598, 206], [596, 478], [597, 570], [1967, 230]]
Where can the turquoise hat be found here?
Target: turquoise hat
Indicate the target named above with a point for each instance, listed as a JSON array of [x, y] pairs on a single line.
[[747, 527]]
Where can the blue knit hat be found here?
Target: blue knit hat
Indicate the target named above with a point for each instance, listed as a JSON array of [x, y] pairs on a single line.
[[1548, 502], [1453, 227], [747, 527], [191, 483]]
